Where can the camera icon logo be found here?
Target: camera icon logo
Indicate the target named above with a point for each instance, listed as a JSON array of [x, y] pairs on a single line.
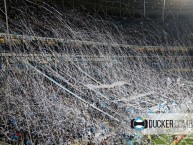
[[139, 123]]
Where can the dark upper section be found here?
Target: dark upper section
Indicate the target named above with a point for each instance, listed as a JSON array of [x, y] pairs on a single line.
[[156, 9], [175, 9]]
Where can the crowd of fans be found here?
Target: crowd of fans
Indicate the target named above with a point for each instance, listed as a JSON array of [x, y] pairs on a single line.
[[36, 110], [12, 133]]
